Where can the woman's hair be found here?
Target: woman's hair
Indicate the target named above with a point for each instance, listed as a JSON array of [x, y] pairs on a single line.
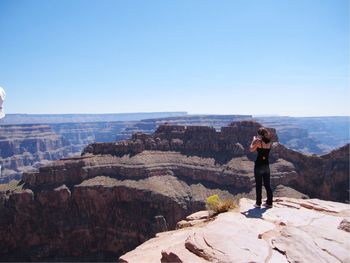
[[264, 133]]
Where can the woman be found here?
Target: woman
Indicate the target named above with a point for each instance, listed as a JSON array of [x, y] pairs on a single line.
[[262, 144]]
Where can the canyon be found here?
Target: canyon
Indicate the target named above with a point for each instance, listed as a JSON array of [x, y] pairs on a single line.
[[30, 141], [117, 195], [313, 135], [24, 147], [74, 136]]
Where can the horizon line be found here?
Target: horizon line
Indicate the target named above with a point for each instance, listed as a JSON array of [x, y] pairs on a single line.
[[185, 113]]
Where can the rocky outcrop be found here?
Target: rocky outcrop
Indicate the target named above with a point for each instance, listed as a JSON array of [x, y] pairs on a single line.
[[294, 230], [324, 176], [233, 140], [204, 155]]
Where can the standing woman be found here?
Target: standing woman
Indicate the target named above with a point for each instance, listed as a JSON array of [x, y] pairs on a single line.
[[262, 144]]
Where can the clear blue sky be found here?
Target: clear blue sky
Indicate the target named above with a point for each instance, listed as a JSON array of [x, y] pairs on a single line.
[[224, 57]]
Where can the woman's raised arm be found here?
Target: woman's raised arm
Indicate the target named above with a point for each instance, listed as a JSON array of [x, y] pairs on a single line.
[[254, 144]]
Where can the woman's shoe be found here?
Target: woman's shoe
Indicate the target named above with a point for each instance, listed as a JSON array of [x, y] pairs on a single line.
[[267, 205], [256, 206]]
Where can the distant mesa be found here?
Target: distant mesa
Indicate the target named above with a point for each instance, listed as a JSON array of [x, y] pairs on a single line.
[[74, 118]]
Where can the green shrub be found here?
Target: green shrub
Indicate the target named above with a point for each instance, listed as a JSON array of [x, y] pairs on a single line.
[[217, 205], [212, 200]]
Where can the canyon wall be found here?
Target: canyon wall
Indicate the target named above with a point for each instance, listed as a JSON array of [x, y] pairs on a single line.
[[23, 147]]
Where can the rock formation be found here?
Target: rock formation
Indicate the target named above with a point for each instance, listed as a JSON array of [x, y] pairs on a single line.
[[232, 140], [117, 195], [294, 230], [324, 176]]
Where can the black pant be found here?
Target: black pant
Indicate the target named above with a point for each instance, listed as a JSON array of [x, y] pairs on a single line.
[[262, 172]]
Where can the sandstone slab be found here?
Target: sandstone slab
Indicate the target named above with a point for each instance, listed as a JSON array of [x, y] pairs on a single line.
[[284, 233]]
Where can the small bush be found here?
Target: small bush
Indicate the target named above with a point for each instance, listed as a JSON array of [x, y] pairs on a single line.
[[218, 205], [212, 200]]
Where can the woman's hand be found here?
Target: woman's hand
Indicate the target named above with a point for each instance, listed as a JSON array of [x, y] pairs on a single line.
[[256, 138], [254, 144]]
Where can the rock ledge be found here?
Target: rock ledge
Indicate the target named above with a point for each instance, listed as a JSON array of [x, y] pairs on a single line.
[[294, 230]]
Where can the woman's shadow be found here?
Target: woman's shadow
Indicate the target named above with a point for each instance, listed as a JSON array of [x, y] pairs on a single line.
[[254, 212]]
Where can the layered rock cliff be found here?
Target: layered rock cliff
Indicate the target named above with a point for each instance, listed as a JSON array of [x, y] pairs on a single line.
[[27, 146], [117, 195], [323, 176], [82, 134], [93, 219], [232, 140], [24, 146]]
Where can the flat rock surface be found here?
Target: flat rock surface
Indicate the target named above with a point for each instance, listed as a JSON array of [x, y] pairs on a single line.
[[294, 230]]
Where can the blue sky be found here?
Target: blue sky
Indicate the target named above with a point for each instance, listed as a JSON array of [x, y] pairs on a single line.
[[286, 57]]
